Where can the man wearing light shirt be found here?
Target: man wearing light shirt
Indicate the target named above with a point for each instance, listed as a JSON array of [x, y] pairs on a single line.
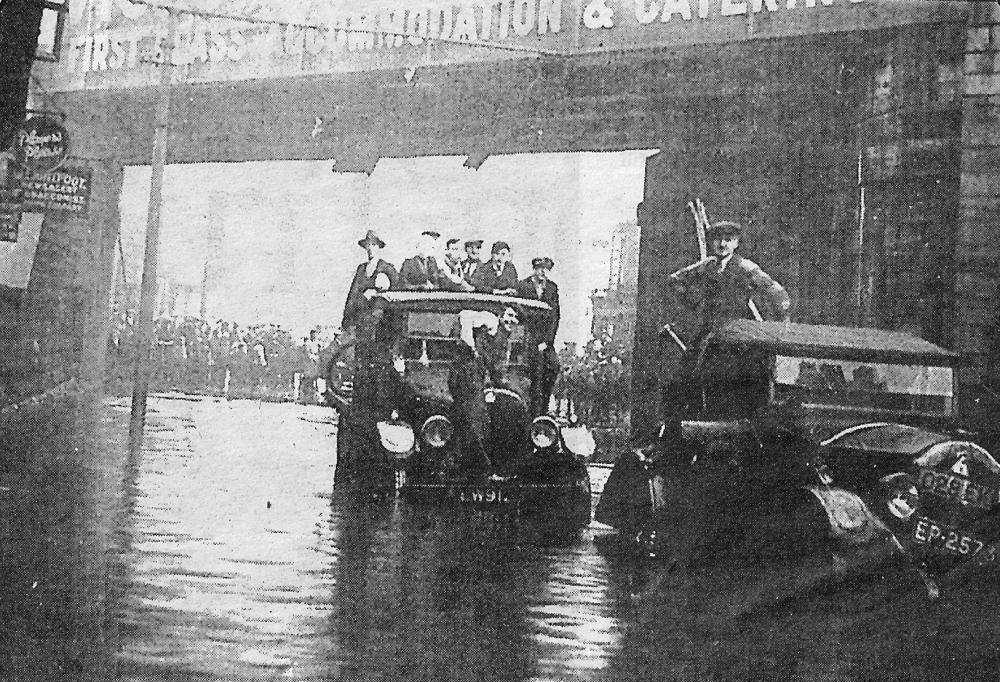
[[450, 276]]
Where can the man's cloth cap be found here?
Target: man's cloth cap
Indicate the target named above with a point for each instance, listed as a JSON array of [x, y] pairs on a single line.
[[371, 236], [499, 246], [542, 262], [474, 242], [725, 228], [430, 233]]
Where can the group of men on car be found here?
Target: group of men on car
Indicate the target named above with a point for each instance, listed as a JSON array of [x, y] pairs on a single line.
[[718, 288], [461, 271]]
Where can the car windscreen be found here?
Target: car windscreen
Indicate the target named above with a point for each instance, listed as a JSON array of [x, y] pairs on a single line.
[[430, 336], [437, 336], [825, 382]]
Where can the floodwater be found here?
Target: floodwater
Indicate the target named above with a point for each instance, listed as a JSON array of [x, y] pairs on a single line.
[[221, 553]]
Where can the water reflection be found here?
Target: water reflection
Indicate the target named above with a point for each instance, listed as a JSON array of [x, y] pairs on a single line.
[[241, 565], [219, 554]]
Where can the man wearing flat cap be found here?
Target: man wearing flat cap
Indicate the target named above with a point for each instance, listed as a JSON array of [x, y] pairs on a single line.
[[497, 275], [421, 272], [471, 262], [722, 286], [543, 362]]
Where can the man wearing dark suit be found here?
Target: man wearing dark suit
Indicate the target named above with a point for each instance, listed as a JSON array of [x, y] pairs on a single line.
[[543, 363], [471, 263], [421, 272], [721, 286], [371, 277], [376, 382], [497, 275]]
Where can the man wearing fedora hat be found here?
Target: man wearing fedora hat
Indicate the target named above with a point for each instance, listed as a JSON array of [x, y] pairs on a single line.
[[543, 363], [372, 276], [721, 286], [375, 381]]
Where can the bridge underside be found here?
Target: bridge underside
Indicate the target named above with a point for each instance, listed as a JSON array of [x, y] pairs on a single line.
[[769, 132]]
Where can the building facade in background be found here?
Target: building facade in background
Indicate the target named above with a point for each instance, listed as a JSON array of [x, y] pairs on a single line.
[[614, 307]]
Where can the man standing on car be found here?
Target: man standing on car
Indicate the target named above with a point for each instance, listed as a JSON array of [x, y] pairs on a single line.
[[371, 277], [498, 275], [375, 381], [479, 362], [471, 263], [719, 289], [721, 286], [421, 272], [543, 364], [450, 277]]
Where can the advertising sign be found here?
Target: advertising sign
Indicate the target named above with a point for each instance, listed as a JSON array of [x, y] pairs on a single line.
[[118, 43], [10, 218], [10, 214], [66, 190], [41, 144]]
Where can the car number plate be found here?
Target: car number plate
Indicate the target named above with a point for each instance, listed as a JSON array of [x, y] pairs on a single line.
[[952, 540], [957, 488], [483, 496]]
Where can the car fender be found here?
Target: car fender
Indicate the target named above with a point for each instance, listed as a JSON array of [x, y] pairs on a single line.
[[849, 516]]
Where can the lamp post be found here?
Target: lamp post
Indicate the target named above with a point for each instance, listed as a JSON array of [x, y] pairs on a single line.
[[147, 300]]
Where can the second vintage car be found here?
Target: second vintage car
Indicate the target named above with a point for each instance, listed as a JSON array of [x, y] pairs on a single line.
[[448, 422], [785, 438]]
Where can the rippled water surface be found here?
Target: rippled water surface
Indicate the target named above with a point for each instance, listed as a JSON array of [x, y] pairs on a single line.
[[221, 553]]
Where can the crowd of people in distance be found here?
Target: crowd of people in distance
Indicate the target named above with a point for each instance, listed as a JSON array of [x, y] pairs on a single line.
[[264, 361], [195, 356], [595, 387]]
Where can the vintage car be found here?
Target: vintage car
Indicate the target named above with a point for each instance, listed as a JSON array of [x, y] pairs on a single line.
[[782, 439], [413, 435]]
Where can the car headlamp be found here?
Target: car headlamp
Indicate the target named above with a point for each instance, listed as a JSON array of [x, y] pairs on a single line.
[[396, 437], [437, 431], [544, 432]]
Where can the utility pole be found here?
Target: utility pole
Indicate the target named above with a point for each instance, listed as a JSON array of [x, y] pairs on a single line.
[[147, 301]]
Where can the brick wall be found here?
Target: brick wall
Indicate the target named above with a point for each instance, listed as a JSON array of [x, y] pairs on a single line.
[[780, 153], [978, 254], [55, 329]]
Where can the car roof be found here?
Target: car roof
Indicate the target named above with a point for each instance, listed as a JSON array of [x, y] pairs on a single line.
[[847, 343], [453, 302]]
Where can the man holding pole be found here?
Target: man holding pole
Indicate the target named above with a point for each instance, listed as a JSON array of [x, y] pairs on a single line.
[[721, 286]]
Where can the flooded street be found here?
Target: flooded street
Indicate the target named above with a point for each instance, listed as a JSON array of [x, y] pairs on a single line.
[[223, 554]]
